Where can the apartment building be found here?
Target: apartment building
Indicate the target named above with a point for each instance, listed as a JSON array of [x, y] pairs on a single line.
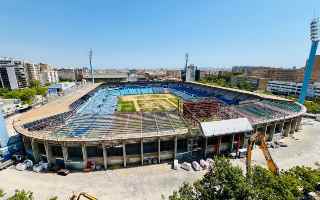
[[293, 88], [47, 74], [67, 74], [33, 71], [12, 74]]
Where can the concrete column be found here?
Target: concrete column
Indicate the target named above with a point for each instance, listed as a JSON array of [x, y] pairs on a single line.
[[105, 156], [48, 152], [35, 151], [265, 130], [175, 147], [293, 126], [298, 124], [232, 145], [124, 155], [159, 150], [219, 144], [282, 127], [205, 147], [287, 129], [65, 152], [84, 155], [141, 151], [272, 131]]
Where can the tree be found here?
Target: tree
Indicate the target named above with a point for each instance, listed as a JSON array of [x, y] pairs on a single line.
[[1, 193], [27, 94], [22, 195], [35, 83], [225, 181], [42, 91], [309, 178]]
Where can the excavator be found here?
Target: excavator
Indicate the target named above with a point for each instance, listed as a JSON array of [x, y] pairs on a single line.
[[85, 195], [272, 166]]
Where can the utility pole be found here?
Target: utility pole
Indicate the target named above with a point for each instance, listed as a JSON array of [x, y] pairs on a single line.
[[90, 61]]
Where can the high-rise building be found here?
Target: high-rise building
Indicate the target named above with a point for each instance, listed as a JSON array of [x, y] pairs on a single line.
[[12, 74], [191, 73], [33, 71]]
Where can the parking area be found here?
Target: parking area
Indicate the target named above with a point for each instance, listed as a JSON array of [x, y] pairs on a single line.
[[303, 149], [147, 182], [150, 182]]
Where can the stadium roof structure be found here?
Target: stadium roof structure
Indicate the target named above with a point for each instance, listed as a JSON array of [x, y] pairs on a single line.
[[225, 127]]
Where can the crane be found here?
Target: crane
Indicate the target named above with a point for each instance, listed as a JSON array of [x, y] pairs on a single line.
[[272, 166]]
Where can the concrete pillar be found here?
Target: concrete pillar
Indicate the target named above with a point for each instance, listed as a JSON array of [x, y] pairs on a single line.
[[293, 126], [232, 145], [48, 152], [159, 150], [65, 152], [265, 130], [84, 155], [272, 131], [35, 151], [287, 129], [105, 156], [282, 128], [175, 147], [124, 155], [205, 147], [141, 151], [219, 144], [298, 124]]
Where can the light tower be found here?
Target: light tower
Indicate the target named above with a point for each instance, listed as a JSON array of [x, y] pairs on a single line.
[[187, 59], [315, 37], [90, 61]]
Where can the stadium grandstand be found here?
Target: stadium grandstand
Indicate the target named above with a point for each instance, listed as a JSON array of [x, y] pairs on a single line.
[[184, 126]]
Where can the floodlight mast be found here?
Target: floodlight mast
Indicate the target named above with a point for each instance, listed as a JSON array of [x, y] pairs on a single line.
[[315, 37], [90, 61]]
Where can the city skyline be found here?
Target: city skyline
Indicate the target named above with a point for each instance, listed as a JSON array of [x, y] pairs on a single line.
[[158, 34]]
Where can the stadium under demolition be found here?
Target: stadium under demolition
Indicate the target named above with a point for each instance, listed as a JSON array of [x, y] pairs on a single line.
[[205, 121]]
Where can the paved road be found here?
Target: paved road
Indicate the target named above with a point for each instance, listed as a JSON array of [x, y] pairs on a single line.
[[148, 182]]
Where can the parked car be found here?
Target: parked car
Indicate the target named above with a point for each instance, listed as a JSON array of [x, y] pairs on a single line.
[[21, 166], [186, 166], [63, 172], [196, 166], [204, 164], [37, 168], [5, 164]]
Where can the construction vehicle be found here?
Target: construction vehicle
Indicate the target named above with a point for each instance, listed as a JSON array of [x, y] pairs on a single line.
[[82, 194], [264, 148]]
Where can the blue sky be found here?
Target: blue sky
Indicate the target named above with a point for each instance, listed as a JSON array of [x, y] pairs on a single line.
[[157, 33]]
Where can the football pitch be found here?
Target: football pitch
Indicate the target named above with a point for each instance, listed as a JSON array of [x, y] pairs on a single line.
[[147, 103]]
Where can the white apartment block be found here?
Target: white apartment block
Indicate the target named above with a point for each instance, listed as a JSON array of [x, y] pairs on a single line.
[[293, 88], [49, 76]]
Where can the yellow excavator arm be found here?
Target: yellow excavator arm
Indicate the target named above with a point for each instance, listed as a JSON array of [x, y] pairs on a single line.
[[85, 195], [264, 148]]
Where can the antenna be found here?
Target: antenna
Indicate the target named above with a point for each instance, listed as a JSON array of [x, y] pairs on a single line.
[[90, 61]]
